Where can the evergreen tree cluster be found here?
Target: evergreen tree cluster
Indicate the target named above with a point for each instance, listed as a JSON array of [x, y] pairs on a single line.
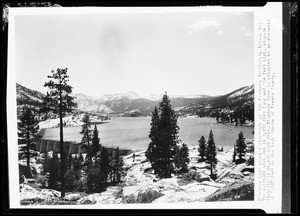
[[207, 151], [165, 156], [91, 174], [101, 166], [237, 113]]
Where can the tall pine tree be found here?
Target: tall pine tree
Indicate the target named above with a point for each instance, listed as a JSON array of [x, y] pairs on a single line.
[[241, 146], [152, 150], [27, 132], [96, 146], [59, 100], [202, 148], [164, 138], [86, 132], [211, 152]]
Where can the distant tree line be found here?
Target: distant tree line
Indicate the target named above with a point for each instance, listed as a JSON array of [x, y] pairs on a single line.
[[237, 113]]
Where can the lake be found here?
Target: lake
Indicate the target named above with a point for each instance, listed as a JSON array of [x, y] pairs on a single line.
[[132, 133]]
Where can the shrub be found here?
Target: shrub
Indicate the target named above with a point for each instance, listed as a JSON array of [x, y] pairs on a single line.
[[119, 193], [148, 196], [181, 158], [96, 181], [80, 183], [41, 180], [129, 199], [190, 177], [71, 180]]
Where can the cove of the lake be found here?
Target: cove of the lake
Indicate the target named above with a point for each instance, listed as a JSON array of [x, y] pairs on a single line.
[[132, 132]]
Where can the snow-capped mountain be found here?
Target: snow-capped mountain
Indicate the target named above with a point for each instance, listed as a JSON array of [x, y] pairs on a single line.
[[114, 104], [90, 104], [108, 97]]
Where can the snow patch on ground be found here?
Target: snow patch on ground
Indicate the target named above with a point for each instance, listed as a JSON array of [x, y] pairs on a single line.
[[69, 121], [243, 91]]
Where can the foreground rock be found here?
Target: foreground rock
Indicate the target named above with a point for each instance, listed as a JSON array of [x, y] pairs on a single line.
[[240, 190], [72, 197], [30, 195], [140, 185]]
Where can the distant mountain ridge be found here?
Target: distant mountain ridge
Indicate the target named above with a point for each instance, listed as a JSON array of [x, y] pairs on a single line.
[[131, 104]]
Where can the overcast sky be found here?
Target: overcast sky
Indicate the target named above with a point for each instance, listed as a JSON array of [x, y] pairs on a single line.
[[180, 52]]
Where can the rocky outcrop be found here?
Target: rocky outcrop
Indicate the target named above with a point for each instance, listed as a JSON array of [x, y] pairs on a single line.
[[240, 190]]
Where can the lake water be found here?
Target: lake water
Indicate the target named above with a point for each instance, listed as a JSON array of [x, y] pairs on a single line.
[[132, 133]]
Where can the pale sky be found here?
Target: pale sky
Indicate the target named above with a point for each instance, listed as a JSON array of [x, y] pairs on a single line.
[[182, 53]]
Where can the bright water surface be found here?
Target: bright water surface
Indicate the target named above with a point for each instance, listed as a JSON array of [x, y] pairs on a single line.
[[132, 133]]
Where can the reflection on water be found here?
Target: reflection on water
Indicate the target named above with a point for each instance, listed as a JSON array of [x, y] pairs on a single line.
[[132, 133]]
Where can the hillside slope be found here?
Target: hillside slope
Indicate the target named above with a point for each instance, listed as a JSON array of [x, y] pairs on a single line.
[[235, 105], [28, 96]]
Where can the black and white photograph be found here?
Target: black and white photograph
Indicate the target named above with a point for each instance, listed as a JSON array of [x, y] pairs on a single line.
[[117, 108], [134, 106]]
